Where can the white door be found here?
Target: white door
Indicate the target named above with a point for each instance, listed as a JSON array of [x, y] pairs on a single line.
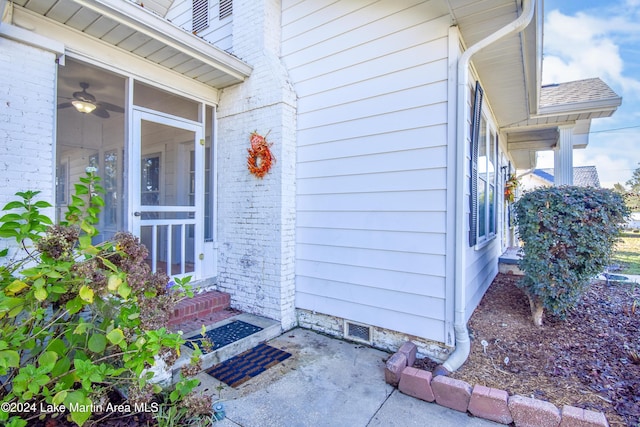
[[167, 194]]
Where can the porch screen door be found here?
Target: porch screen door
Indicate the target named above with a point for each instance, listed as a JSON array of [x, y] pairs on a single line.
[[167, 193]]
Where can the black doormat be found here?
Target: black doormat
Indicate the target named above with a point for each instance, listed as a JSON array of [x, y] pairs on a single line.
[[247, 365], [223, 335]]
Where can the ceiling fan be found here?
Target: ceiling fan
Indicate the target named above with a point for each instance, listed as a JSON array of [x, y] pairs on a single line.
[[86, 103]]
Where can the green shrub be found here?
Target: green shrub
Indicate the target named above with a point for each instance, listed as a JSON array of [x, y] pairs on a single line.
[[568, 234], [78, 319]]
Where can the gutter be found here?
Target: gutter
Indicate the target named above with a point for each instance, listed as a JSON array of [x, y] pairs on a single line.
[[462, 340], [4, 12]]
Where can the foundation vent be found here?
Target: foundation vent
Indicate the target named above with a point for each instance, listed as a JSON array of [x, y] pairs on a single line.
[[357, 332]]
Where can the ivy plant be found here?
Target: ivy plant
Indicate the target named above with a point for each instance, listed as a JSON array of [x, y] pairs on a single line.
[[79, 319], [568, 234]]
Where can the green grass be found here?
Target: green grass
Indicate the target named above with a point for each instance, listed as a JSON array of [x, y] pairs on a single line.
[[627, 253]]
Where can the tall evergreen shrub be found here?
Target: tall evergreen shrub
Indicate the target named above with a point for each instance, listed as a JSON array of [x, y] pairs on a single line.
[[568, 235]]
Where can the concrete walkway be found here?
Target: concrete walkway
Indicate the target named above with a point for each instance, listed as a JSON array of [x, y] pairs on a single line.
[[327, 382], [633, 278]]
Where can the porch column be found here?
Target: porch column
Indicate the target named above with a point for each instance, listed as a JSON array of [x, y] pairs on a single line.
[[563, 157]]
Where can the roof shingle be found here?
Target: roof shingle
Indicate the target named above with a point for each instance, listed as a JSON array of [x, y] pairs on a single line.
[[583, 176], [579, 91]]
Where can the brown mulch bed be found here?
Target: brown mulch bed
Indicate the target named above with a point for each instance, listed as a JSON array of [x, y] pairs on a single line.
[[589, 360]]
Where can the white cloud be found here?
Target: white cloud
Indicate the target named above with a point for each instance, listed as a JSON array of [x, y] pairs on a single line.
[[616, 155], [610, 170], [600, 42], [585, 46]]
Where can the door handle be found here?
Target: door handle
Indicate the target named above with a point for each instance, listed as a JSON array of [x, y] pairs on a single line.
[[137, 214]]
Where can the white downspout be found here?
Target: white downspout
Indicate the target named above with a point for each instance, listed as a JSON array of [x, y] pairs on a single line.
[[463, 343], [5, 12]]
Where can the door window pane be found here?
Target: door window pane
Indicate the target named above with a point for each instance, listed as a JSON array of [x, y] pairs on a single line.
[[166, 177], [168, 172], [150, 180]]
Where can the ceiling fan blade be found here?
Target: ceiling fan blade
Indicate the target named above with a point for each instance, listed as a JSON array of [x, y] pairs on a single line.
[[101, 112], [110, 107], [64, 105]]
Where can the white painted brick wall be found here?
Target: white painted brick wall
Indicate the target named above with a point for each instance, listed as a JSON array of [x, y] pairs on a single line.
[[27, 108], [256, 217]]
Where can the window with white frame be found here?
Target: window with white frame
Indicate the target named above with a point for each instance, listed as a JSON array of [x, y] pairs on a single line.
[[487, 154], [484, 152]]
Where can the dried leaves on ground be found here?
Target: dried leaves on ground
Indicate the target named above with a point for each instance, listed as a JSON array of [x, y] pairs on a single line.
[[589, 360]]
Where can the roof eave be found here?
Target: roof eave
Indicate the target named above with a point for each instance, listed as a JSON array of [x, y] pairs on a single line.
[[519, 73], [609, 106], [146, 22]]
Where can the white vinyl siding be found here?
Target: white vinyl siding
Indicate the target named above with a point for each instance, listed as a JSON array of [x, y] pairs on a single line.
[[482, 268], [371, 173], [218, 32]]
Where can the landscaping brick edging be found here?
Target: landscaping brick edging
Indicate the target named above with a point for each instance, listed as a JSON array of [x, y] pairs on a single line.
[[482, 402]]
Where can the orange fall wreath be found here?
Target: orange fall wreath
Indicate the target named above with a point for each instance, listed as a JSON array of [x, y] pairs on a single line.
[[260, 158]]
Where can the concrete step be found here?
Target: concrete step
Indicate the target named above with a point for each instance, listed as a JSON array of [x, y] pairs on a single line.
[[270, 329], [508, 261]]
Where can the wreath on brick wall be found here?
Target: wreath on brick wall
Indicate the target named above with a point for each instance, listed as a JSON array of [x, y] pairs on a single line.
[[260, 158]]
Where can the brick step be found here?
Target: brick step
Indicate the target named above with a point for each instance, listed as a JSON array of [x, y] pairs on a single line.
[[202, 308]]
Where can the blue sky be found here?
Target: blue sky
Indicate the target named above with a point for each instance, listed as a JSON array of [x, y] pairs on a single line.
[[599, 38]]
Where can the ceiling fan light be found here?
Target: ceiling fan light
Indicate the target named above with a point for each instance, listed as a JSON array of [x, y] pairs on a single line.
[[83, 106]]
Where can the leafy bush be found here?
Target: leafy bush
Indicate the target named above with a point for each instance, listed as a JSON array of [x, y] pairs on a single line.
[[568, 234], [78, 319], [632, 200]]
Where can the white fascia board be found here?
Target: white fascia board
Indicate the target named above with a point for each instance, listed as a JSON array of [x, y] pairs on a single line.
[[32, 39], [564, 115], [139, 19], [582, 127], [600, 106], [580, 140]]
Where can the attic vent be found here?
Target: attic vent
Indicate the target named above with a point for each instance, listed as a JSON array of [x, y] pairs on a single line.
[[357, 332], [226, 8], [200, 15]]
